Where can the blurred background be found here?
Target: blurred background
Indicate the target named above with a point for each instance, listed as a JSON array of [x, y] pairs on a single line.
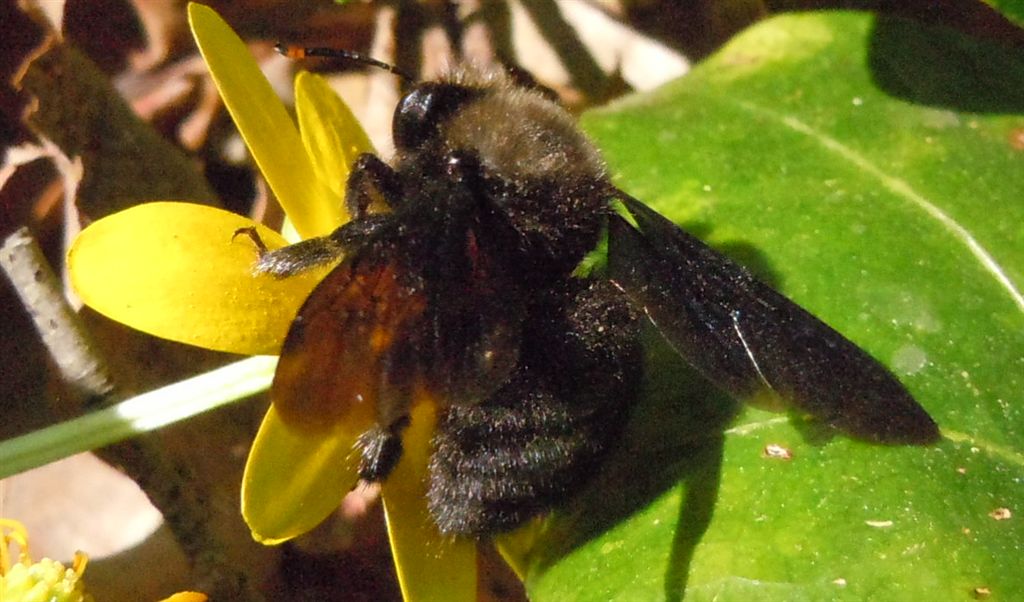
[[106, 103]]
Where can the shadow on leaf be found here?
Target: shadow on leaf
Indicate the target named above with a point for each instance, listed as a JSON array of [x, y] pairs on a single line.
[[940, 67], [673, 440]]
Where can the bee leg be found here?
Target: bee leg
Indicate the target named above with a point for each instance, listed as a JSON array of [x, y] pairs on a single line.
[[297, 258], [381, 449], [371, 182], [543, 434], [312, 252], [381, 445]]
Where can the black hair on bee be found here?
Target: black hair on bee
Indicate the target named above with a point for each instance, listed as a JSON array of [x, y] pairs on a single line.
[[464, 289]]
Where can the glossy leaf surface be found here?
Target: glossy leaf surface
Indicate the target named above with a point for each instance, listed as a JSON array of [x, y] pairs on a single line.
[[867, 169]]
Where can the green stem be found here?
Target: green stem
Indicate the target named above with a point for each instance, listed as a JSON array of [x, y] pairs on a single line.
[[139, 414]]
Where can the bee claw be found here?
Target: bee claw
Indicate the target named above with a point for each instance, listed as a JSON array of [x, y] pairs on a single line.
[[254, 236]]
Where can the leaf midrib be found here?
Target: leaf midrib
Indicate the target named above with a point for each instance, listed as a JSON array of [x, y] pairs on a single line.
[[899, 187]]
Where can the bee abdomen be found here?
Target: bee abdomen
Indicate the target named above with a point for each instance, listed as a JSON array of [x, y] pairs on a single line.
[[494, 466], [542, 435]]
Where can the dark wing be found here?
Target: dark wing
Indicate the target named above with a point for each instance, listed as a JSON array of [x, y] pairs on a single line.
[[351, 347], [745, 336], [389, 322]]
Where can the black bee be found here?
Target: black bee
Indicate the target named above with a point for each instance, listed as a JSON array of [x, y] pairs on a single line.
[[464, 290]]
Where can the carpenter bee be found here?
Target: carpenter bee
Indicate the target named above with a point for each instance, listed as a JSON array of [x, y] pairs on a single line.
[[464, 289]]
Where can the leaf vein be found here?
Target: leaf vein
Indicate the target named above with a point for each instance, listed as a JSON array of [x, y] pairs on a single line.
[[746, 429], [902, 189], [994, 449]]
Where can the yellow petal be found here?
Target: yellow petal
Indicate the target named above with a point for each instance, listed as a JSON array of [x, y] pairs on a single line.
[[265, 125], [186, 597], [332, 136], [516, 546], [293, 480], [430, 566], [173, 270]]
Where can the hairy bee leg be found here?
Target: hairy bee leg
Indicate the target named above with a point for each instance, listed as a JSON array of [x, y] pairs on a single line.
[[381, 449], [312, 252], [525, 449], [371, 181], [299, 257], [293, 259]]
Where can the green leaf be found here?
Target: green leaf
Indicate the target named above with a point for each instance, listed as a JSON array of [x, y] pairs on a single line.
[[1011, 9], [869, 170]]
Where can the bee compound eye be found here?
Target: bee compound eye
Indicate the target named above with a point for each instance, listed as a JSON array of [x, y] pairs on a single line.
[[421, 112]]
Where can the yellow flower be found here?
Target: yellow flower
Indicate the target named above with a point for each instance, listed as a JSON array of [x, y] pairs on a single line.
[[47, 580], [28, 581], [173, 270]]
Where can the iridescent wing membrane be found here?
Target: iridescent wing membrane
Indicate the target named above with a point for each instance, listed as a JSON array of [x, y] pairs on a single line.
[[744, 336]]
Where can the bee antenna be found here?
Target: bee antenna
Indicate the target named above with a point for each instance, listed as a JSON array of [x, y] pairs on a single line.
[[298, 52]]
